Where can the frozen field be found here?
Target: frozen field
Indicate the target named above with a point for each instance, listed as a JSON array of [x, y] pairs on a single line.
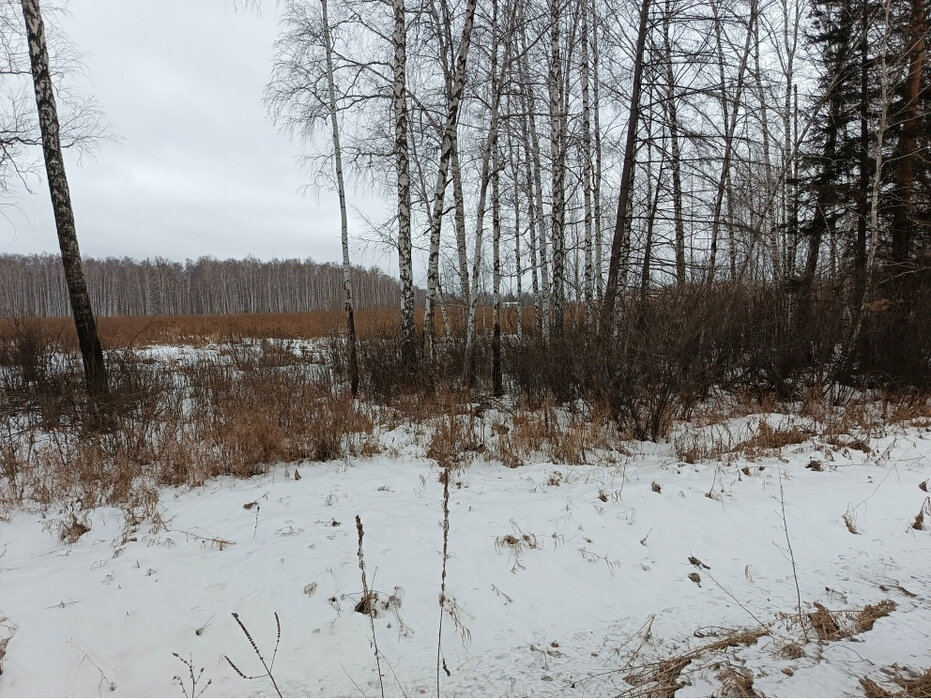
[[640, 574]]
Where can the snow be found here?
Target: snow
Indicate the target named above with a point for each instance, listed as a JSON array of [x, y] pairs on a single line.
[[563, 580]]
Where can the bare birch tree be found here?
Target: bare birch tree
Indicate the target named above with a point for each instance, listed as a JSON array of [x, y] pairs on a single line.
[[95, 371], [447, 146], [402, 164], [343, 218]]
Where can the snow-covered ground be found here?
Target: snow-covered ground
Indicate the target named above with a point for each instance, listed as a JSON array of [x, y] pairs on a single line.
[[562, 579]]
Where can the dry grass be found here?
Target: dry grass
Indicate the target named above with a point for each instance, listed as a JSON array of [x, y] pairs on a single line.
[[736, 683], [851, 523], [169, 424], [139, 331], [832, 625], [549, 434], [919, 522], [663, 677], [705, 445], [769, 440], [516, 545], [455, 438], [867, 617], [910, 683], [7, 630], [717, 441]]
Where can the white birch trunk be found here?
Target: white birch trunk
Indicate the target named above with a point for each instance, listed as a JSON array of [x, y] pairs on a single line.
[[405, 257], [446, 153], [343, 217]]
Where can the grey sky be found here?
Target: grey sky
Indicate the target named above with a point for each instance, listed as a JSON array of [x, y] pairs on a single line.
[[198, 168]]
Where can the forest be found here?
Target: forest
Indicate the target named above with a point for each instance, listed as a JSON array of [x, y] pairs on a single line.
[[36, 286]]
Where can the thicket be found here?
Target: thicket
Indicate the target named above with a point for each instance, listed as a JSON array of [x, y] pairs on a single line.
[[670, 348], [239, 404]]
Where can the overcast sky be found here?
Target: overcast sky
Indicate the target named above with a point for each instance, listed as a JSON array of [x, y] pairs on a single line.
[[198, 168]]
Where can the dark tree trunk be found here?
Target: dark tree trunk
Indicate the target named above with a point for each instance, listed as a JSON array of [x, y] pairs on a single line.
[[863, 199], [902, 226], [95, 371], [621, 235]]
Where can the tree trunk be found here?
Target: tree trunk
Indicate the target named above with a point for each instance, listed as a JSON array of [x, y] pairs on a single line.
[[446, 152], [589, 278], [558, 119], [673, 123], [621, 226], [902, 224], [730, 125], [534, 194], [652, 197], [596, 175], [859, 254], [95, 371], [460, 225], [497, 385], [343, 218], [405, 257]]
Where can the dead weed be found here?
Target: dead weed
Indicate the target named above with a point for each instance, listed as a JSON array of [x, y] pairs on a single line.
[[842, 624], [769, 440], [911, 684], [736, 683]]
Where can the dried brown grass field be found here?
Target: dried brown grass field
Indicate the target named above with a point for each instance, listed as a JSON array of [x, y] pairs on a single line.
[[139, 331]]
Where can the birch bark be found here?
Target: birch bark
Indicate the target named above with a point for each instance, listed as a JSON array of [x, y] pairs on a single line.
[[442, 177], [95, 371], [343, 218]]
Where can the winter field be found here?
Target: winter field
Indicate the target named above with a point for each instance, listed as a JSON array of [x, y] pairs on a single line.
[[774, 550]]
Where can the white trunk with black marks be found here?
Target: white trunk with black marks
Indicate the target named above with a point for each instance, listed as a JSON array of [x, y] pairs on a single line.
[[496, 268], [459, 223], [488, 153], [790, 39], [446, 153], [343, 217], [673, 124], [95, 371], [558, 120], [589, 279], [514, 166], [447, 329], [536, 170], [405, 258], [533, 214], [519, 272], [477, 257], [767, 226], [596, 176]]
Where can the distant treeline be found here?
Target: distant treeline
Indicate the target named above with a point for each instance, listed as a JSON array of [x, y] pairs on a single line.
[[35, 286]]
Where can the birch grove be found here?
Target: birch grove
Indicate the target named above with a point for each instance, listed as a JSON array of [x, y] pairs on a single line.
[[721, 142]]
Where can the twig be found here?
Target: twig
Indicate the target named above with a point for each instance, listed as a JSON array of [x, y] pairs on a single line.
[[218, 541], [742, 606], [111, 686], [361, 692], [268, 667], [785, 528], [195, 679], [440, 659], [369, 600]]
